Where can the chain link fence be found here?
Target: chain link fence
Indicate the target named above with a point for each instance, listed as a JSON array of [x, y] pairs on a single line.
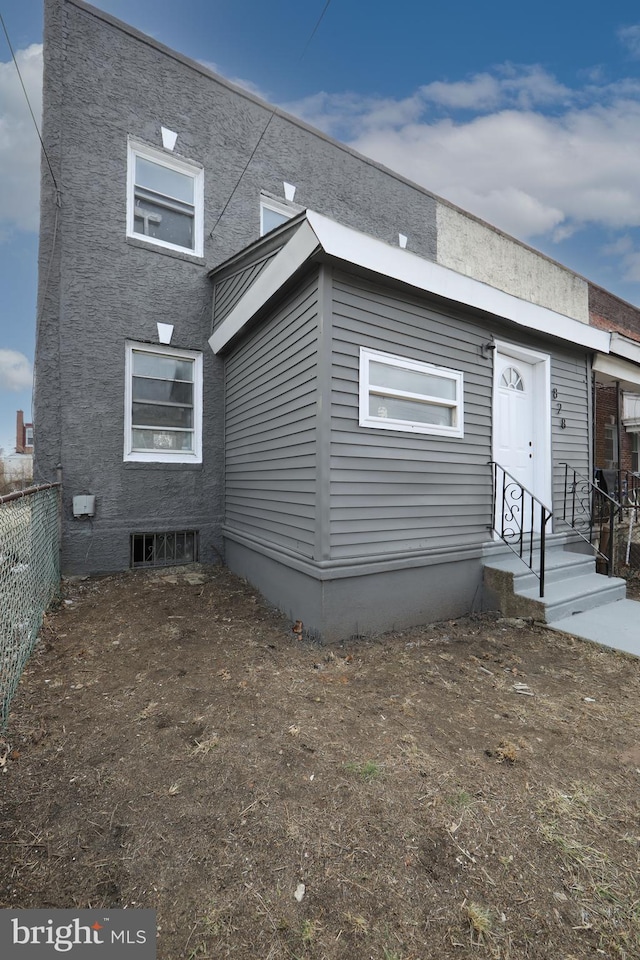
[[29, 579]]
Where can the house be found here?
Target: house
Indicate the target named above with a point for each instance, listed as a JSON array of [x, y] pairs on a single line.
[[24, 434], [16, 468], [257, 345], [617, 388]]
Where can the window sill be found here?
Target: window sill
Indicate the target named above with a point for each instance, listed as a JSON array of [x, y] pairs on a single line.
[[159, 465], [166, 251]]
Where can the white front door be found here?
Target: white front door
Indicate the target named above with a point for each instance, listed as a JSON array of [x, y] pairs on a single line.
[[521, 432]]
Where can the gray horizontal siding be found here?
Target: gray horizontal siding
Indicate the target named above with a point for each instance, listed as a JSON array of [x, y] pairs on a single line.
[[571, 444], [392, 491], [228, 292], [270, 439]]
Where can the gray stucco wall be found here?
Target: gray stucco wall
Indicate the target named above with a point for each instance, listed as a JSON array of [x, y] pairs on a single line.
[[97, 289]]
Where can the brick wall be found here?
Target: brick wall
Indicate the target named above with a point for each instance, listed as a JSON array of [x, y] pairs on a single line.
[[606, 417]]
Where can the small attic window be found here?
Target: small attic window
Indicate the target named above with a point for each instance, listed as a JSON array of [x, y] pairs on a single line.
[[275, 212]]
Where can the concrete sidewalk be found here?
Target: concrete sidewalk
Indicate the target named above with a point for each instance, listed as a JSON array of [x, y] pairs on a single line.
[[615, 625]]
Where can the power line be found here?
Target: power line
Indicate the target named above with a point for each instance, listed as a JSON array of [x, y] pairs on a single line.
[[261, 137], [26, 96], [244, 170], [313, 32]]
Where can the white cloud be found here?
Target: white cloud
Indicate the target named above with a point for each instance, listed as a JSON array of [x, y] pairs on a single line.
[[534, 158], [19, 144], [15, 371], [628, 257], [524, 87], [348, 115], [630, 38], [247, 85]]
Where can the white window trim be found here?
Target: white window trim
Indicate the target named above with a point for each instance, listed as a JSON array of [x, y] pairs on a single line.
[[410, 426], [284, 207], [181, 165], [163, 456]]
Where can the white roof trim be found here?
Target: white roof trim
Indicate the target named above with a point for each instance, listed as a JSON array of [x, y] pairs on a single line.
[[625, 347], [617, 369], [287, 260], [358, 249]]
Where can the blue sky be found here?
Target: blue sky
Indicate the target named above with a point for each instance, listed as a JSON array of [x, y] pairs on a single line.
[[528, 115]]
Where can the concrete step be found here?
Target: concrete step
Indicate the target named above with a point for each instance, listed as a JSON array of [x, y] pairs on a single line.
[[560, 565], [568, 597], [571, 586]]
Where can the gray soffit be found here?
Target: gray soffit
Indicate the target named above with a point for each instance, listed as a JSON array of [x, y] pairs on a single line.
[[315, 233]]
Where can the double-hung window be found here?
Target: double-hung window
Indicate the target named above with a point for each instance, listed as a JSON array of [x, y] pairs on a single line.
[[163, 404], [397, 393], [165, 199]]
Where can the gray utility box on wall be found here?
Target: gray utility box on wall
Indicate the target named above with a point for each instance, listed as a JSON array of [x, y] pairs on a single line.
[[84, 506]]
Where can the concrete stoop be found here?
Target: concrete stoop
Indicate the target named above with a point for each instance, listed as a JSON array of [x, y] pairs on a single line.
[[572, 585], [577, 600]]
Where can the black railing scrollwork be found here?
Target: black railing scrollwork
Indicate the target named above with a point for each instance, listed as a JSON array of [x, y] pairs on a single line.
[[591, 512], [520, 520]]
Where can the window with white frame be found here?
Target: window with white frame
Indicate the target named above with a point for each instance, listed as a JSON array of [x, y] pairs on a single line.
[[274, 212], [163, 404], [165, 199], [397, 393], [611, 446]]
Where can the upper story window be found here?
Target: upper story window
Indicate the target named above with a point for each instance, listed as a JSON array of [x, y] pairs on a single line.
[[401, 394], [163, 404], [165, 199], [274, 212]]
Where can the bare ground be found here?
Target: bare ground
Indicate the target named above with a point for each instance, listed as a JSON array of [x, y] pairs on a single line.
[[463, 789]]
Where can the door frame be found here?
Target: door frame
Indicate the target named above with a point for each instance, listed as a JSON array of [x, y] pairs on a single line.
[[541, 363]]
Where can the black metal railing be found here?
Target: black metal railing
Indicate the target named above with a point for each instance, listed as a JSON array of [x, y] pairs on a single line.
[[622, 485], [591, 512], [520, 520]]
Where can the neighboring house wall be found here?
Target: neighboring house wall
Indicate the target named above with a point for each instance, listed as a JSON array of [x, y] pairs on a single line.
[[606, 430], [615, 446], [469, 246], [24, 434], [609, 312]]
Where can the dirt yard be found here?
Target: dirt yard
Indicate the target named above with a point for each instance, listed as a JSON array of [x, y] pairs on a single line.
[[464, 789]]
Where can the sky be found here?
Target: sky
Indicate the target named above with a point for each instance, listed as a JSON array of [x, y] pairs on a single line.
[[527, 115]]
